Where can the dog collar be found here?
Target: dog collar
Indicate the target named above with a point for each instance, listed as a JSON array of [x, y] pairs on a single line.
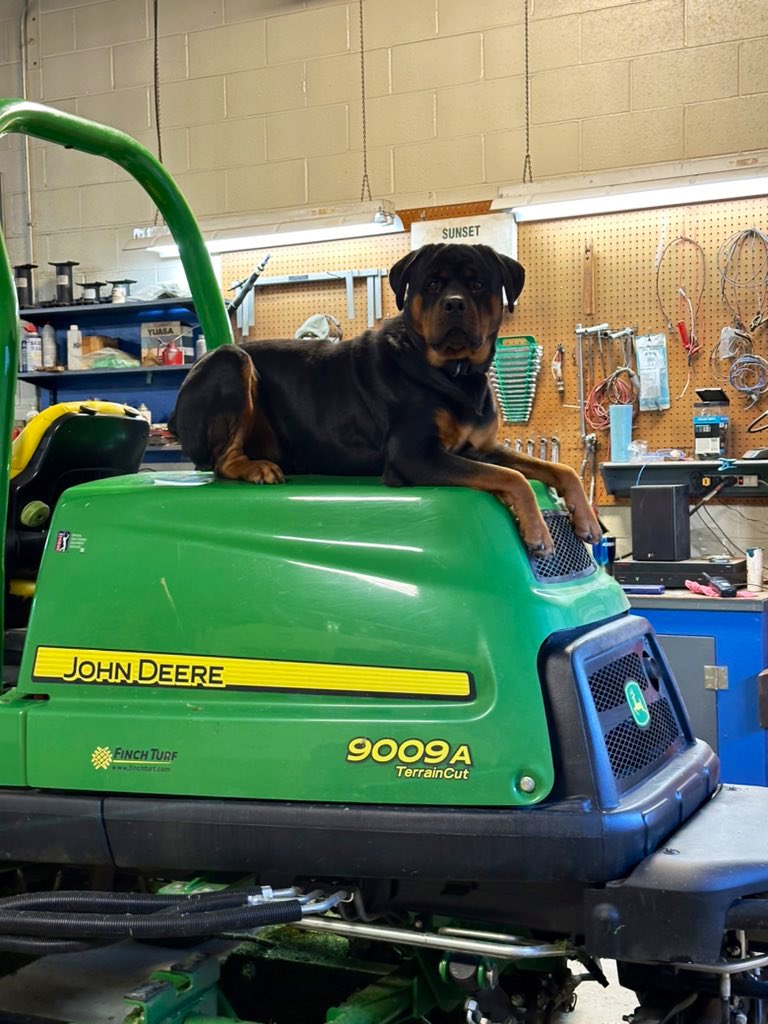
[[462, 368]]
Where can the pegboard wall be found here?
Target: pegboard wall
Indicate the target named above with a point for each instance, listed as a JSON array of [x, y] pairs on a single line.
[[625, 252], [281, 309], [626, 249]]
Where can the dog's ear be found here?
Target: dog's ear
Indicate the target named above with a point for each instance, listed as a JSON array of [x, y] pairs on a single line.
[[513, 277], [401, 272]]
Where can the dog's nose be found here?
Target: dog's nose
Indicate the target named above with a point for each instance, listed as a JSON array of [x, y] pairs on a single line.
[[454, 305]]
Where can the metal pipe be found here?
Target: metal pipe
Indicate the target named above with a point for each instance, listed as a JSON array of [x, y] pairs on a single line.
[[597, 329], [327, 904], [749, 963], [471, 933], [25, 148], [9, 361], [431, 940], [580, 370]]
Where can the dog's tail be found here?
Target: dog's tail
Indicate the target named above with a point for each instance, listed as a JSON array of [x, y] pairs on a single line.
[[213, 405]]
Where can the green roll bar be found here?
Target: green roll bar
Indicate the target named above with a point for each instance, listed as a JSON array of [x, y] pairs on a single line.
[[76, 133]]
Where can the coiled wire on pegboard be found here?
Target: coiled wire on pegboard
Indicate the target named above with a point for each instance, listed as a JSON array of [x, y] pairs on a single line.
[[742, 264], [687, 332], [748, 248], [621, 387], [749, 375]]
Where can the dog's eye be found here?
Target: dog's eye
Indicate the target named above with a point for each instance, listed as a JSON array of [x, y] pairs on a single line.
[[433, 285], [476, 286]]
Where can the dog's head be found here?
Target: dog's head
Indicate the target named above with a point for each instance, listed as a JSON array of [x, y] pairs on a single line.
[[453, 299]]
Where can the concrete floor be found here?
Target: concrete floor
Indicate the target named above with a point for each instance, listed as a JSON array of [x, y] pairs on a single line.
[[598, 1005]]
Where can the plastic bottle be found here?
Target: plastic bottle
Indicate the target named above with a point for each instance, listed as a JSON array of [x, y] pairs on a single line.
[[23, 353], [200, 348], [50, 353], [74, 348], [34, 352]]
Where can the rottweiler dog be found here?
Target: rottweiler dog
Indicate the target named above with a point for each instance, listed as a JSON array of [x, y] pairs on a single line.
[[409, 402]]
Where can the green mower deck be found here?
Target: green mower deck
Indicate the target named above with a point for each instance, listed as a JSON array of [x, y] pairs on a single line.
[[282, 646]]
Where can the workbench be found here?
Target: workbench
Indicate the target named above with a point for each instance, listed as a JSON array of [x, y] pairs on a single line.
[[716, 648]]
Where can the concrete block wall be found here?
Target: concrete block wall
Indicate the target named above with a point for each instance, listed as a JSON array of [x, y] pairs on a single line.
[[260, 102], [260, 107]]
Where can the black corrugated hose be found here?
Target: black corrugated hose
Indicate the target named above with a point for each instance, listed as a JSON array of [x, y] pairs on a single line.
[[59, 922]]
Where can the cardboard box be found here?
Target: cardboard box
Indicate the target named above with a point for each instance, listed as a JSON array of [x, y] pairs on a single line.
[[91, 342], [155, 335]]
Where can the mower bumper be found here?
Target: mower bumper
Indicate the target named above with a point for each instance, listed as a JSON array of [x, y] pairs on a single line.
[[674, 907], [283, 840]]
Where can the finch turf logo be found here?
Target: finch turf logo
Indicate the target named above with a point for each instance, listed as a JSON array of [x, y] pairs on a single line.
[[101, 758], [136, 759], [636, 702]]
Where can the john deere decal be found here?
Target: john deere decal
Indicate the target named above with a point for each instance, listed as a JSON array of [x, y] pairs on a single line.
[[633, 691], [76, 666]]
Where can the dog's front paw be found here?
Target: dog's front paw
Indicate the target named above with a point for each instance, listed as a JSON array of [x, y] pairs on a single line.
[[530, 522], [263, 472], [585, 523], [536, 536]]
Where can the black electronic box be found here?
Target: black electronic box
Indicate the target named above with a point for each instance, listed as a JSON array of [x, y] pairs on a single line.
[[674, 574]]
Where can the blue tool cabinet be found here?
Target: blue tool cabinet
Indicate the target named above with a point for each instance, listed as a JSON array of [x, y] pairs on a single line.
[[731, 634]]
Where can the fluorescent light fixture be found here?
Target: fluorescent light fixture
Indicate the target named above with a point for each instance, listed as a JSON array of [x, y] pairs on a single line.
[[642, 189], [279, 227]]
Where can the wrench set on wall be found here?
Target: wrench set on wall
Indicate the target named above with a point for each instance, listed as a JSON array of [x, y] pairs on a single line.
[[513, 376]]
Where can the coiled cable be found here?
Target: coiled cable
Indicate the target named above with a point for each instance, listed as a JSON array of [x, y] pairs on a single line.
[[621, 387], [749, 375]]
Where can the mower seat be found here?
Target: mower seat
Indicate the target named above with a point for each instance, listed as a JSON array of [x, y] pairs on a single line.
[[66, 444]]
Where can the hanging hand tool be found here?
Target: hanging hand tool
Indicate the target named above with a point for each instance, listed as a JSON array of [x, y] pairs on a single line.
[[246, 285], [682, 331], [588, 282], [555, 448], [581, 333], [530, 446], [589, 466], [601, 350], [243, 302], [518, 444], [557, 371], [543, 449]]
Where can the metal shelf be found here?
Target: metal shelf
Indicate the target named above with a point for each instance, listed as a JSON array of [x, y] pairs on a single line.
[[116, 308], [619, 477], [52, 380]]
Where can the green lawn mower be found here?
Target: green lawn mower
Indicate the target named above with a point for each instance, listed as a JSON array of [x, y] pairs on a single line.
[[347, 749]]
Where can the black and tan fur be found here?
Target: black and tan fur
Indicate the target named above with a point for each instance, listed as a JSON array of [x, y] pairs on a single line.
[[409, 402]]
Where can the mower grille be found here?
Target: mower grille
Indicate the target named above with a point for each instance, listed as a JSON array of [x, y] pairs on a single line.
[[632, 750], [571, 559], [627, 755], [607, 684]]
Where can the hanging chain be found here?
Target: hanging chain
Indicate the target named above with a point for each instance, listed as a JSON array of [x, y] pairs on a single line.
[[156, 86], [365, 185], [527, 168]]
